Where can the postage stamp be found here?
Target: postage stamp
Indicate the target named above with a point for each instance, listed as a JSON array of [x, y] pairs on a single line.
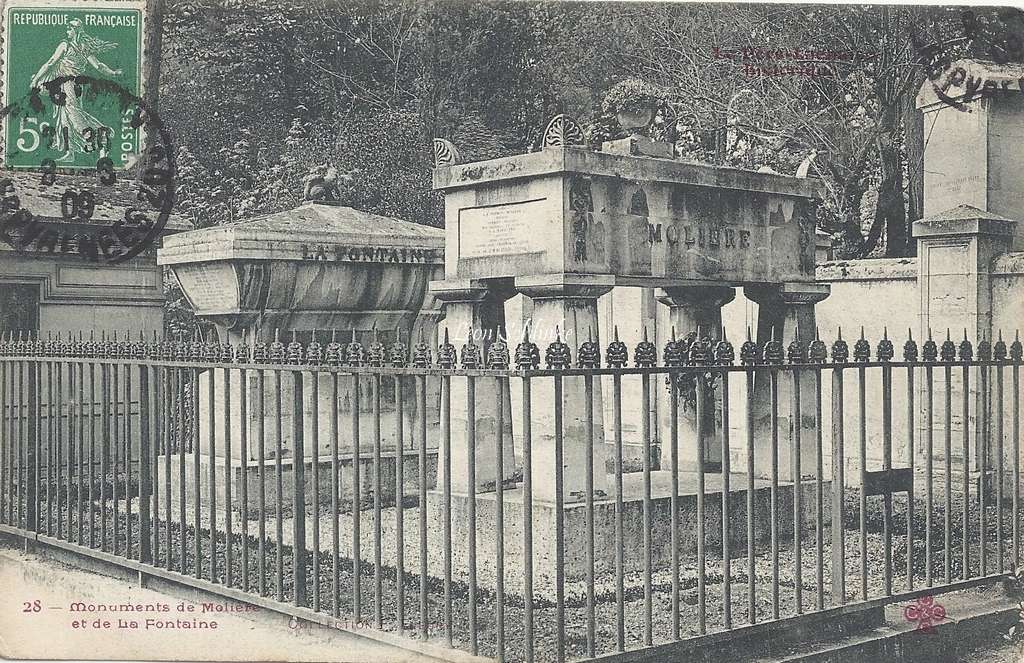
[[51, 47]]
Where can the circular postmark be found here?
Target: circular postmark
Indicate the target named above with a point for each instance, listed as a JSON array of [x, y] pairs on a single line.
[[140, 189], [994, 34]]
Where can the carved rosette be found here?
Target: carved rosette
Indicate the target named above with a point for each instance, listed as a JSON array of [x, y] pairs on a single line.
[[445, 153], [562, 130]]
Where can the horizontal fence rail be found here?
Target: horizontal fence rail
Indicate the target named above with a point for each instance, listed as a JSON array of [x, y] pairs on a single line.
[[470, 498]]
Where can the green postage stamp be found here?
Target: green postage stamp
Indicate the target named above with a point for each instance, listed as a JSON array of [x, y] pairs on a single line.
[[51, 50]]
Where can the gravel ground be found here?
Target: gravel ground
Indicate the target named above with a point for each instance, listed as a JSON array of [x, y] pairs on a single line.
[[545, 613]]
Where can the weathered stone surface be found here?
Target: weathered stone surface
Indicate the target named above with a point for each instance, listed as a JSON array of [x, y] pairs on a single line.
[[972, 152], [643, 221]]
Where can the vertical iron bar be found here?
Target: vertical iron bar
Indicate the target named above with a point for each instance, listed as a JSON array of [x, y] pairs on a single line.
[[78, 386], [228, 479], [357, 487], [982, 452], [243, 470], [399, 507], [648, 592], [910, 492], [422, 481], [5, 395], [774, 496], [146, 452], [377, 581], [701, 554], [32, 447], [114, 441], [887, 467], [499, 522], [673, 441], [967, 472], [527, 439], [819, 496], [620, 593], [279, 494], [128, 460], [862, 460], [588, 482], [795, 449], [180, 375], [471, 472], [336, 496], [193, 420], [1016, 464], [59, 437], [299, 552], [559, 526], [212, 428], [261, 498], [92, 454], [446, 441], [47, 520], [751, 568], [929, 468], [948, 511], [1000, 459], [726, 553], [314, 430], [104, 448]]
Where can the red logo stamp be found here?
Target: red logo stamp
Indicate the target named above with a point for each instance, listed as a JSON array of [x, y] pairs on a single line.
[[926, 612]]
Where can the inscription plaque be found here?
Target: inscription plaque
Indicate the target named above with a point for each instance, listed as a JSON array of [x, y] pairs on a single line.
[[498, 230]]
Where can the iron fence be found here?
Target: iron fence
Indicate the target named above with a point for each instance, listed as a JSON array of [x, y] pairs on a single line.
[[210, 465]]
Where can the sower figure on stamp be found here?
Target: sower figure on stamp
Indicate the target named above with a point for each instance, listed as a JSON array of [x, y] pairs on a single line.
[[74, 128]]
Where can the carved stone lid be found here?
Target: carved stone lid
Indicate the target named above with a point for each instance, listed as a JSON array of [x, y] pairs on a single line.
[[308, 230]]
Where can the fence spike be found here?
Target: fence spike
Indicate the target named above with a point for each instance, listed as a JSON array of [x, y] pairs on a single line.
[[617, 354], [557, 355], [885, 349], [646, 354], [910, 347], [862, 348], [470, 357], [527, 353], [999, 349], [1016, 349], [818, 351], [965, 351]]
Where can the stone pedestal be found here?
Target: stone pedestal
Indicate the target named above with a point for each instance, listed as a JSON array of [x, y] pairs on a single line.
[[692, 308], [477, 308], [955, 253], [789, 311], [568, 302]]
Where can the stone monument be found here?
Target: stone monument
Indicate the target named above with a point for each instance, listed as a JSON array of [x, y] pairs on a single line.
[[320, 266]]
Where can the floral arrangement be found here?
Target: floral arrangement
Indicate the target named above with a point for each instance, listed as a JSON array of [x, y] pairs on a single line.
[[632, 96]]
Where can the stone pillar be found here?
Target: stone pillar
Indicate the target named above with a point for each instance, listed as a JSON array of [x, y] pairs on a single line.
[[788, 309], [955, 251], [694, 307], [569, 302], [480, 307]]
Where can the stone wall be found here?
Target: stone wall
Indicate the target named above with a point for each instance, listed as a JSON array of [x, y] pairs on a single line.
[[878, 294]]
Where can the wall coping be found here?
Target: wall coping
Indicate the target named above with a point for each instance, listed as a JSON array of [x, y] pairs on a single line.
[[867, 269]]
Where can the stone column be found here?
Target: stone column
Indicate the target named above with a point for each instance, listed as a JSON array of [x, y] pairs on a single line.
[[788, 309], [692, 308], [955, 251], [568, 302], [477, 307]]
